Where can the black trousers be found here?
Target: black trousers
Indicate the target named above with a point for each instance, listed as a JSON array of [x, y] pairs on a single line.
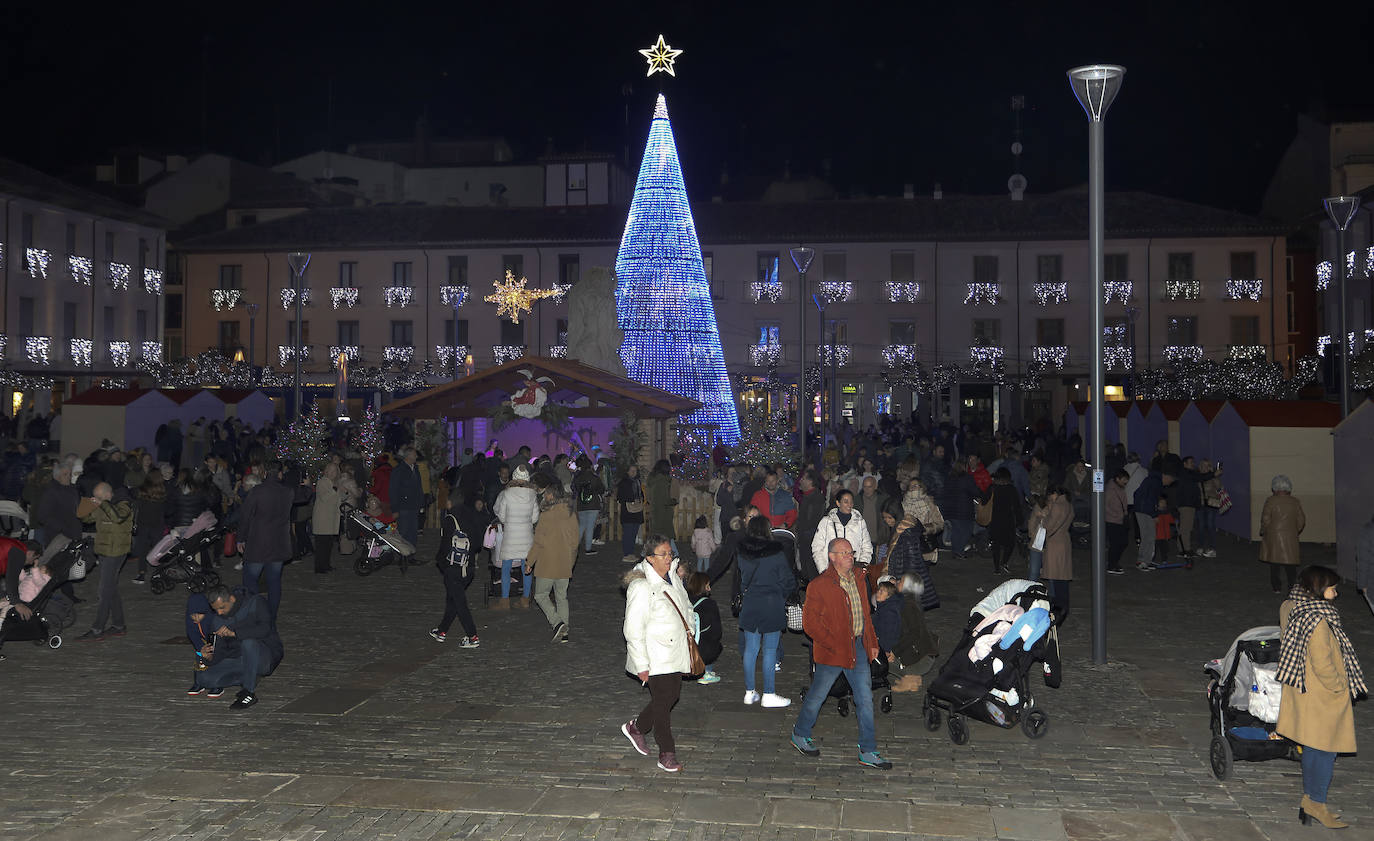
[[657, 715], [1290, 569], [1118, 535], [1003, 542], [324, 551], [456, 598]]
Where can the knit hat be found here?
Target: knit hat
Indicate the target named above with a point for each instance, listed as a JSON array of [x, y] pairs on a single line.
[[521, 473]]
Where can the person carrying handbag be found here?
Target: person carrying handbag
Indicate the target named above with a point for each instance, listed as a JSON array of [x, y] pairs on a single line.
[[630, 496]]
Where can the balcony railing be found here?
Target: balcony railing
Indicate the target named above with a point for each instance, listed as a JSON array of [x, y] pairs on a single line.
[[986, 354], [761, 292], [344, 295], [354, 353], [899, 291], [448, 353], [835, 291], [505, 353], [1182, 290], [119, 353], [1051, 292], [1118, 356], [1118, 289], [152, 281], [80, 268], [1183, 353], [839, 354], [1244, 289], [150, 351], [225, 299], [894, 355], [288, 297], [765, 354], [1050, 356], [398, 296], [398, 354], [983, 293], [118, 274], [453, 296], [1249, 353], [79, 351], [38, 349], [558, 351], [36, 261], [1323, 275], [287, 353]]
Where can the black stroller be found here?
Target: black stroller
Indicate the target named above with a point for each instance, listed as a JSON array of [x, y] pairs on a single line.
[[52, 611], [1242, 697], [381, 547], [182, 559], [982, 690]]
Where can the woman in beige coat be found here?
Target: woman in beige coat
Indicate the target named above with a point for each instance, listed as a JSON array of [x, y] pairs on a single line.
[[1320, 675], [1058, 555], [1281, 521], [324, 519], [551, 557]]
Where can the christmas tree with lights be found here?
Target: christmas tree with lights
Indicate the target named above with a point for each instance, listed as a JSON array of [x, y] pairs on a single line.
[[303, 442], [663, 300], [368, 438]]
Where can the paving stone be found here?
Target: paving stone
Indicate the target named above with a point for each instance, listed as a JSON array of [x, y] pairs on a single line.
[[953, 821], [1200, 828], [332, 701], [1120, 826], [876, 815], [1019, 824], [572, 802], [805, 813], [311, 790]]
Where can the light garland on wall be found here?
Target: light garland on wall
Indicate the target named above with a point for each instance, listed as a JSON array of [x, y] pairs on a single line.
[[1241, 289], [1119, 289], [398, 355], [899, 291], [1114, 333], [119, 276], [37, 349], [287, 353], [983, 293], [1248, 353], [986, 355], [1056, 292], [1350, 265], [835, 291], [1183, 353], [2, 255], [766, 354], [398, 296], [150, 351], [448, 353], [895, 355], [558, 351], [119, 353], [225, 299], [1324, 341], [345, 295], [4, 345], [288, 297], [505, 353], [37, 260], [453, 296], [1118, 357], [1183, 290], [152, 281], [354, 353], [1323, 275], [760, 290], [1369, 261], [80, 268], [840, 354], [560, 291], [80, 352], [1050, 356]]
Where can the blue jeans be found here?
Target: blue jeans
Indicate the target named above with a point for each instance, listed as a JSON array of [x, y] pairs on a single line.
[[251, 572], [1036, 557], [859, 681], [628, 533], [1317, 768], [1206, 528], [586, 525], [506, 565], [408, 524], [959, 532], [253, 662], [749, 648]]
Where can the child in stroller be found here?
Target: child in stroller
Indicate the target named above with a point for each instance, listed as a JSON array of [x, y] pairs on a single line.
[[36, 589], [382, 545], [988, 675], [181, 557]]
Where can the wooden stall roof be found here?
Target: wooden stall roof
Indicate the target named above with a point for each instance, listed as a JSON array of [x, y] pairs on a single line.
[[107, 397], [1121, 407], [611, 395], [1295, 413], [1172, 409], [1209, 408]]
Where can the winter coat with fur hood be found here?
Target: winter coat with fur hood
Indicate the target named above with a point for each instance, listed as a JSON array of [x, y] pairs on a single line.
[[655, 636]]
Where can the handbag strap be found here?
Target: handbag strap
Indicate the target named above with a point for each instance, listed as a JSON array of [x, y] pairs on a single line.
[[685, 626]]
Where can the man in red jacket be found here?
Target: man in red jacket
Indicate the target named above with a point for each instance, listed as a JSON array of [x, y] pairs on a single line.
[[775, 503], [837, 619]]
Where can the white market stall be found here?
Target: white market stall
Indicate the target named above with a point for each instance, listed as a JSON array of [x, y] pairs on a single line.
[[129, 417]]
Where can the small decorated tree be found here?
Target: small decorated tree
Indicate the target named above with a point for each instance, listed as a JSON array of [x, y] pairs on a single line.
[[304, 442], [628, 441], [368, 439]]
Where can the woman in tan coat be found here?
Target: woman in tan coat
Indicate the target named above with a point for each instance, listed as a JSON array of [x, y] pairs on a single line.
[[1320, 675], [1058, 554], [551, 556], [1281, 521]]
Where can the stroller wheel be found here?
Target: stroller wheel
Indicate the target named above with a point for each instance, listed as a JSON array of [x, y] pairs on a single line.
[[887, 703], [55, 641], [958, 730], [196, 583], [932, 718], [842, 706], [1036, 724], [1220, 756], [363, 566], [156, 587]]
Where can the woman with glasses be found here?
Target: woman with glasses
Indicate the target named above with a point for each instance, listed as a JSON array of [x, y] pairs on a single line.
[[656, 610]]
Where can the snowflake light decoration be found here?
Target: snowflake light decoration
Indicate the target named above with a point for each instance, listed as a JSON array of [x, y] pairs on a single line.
[[288, 297], [225, 299], [1241, 289], [1183, 353], [119, 275], [895, 355], [759, 290], [511, 297], [1323, 275], [119, 353], [398, 355], [346, 295], [1050, 356], [152, 281], [1056, 292], [353, 351], [505, 353], [1183, 290], [453, 296], [80, 352], [839, 353], [835, 291], [37, 349], [983, 293], [1119, 289], [37, 259], [151, 351], [903, 290], [80, 268]]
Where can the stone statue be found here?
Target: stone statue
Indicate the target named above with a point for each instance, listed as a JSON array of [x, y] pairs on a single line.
[[594, 337]]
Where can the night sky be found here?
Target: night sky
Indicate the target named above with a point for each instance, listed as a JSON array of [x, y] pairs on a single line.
[[882, 95]]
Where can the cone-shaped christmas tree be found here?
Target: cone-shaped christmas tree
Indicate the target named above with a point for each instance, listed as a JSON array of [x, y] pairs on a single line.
[[662, 297]]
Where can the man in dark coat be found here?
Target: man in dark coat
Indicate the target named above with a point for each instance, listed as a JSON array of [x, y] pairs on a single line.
[[246, 645], [265, 534], [407, 495]]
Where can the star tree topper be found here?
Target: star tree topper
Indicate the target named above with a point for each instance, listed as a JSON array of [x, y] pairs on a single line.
[[661, 57], [511, 297]]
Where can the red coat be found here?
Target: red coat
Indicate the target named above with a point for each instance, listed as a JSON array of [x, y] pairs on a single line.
[[982, 478], [763, 501], [826, 620]]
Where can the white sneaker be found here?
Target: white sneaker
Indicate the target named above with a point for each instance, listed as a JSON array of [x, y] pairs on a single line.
[[751, 697], [771, 700]]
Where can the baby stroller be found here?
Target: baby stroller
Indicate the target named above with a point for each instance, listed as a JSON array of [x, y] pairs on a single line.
[[177, 557], [843, 693], [1243, 697], [382, 547], [988, 675], [51, 610], [14, 521]]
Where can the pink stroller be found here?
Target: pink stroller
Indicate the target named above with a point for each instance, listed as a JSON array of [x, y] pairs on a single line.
[[177, 557]]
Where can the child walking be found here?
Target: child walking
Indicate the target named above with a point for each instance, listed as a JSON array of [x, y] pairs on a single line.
[[703, 543], [1164, 531]]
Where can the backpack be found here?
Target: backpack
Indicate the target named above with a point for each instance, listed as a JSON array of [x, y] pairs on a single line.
[[460, 547], [585, 495]]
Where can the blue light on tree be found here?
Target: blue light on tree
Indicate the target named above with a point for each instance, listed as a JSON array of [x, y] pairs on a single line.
[[663, 300]]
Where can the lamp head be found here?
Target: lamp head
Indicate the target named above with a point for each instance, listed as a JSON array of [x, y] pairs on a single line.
[[802, 257], [1341, 209], [1096, 86], [298, 260]]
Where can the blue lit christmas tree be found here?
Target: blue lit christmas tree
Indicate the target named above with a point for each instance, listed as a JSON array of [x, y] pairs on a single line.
[[663, 300]]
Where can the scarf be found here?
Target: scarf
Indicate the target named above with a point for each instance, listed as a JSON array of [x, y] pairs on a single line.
[[1308, 610]]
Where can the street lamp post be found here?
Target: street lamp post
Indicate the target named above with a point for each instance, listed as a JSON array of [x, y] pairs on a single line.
[[252, 343], [459, 296], [1342, 209], [1096, 86], [801, 258], [298, 260], [822, 393]]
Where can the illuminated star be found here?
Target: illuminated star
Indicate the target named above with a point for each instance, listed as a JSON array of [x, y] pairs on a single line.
[[511, 297], [660, 57]]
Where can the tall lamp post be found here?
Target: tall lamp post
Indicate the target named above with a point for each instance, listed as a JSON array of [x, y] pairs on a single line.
[[459, 296], [1342, 209], [801, 258], [822, 393], [252, 343], [298, 260], [1096, 86]]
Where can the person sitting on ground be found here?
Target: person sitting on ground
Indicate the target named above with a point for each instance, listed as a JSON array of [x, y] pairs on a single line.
[[246, 647]]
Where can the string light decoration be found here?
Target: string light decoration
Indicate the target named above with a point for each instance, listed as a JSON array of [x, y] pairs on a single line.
[[448, 355], [1114, 333], [1182, 353], [1350, 264], [558, 351], [80, 352], [660, 57], [304, 442], [353, 351], [760, 290], [119, 276], [1322, 343], [152, 281], [1050, 356], [344, 295], [4, 345], [983, 293], [453, 296], [899, 291], [80, 269], [398, 355], [1369, 261], [225, 299], [150, 351], [1244, 289], [1119, 289], [1056, 292], [983, 355], [663, 300], [835, 291], [119, 353], [505, 353], [398, 296], [511, 297], [288, 297], [761, 355], [37, 349], [287, 353], [838, 353], [897, 355], [37, 259], [1118, 357], [367, 440], [1235, 379], [560, 290], [1183, 290], [1246, 352], [1323, 275], [2, 255]]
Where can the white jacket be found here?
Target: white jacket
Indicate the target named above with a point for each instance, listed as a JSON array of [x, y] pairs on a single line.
[[655, 638], [517, 507], [829, 529]]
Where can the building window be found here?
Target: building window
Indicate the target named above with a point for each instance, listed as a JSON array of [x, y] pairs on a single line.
[[901, 332], [1182, 329], [348, 274], [511, 333], [577, 177], [461, 339], [26, 230], [403, 334], [401, 273], [560, 329], [71, 238], [1049, 332], [108, 322], [514, 263], [1117, 330], [291, 333], [142, 256], [708, 265], [1181, 267], [902, 268], [109, 245], [25, 316], [987, 331], [457, 270], [68, 320], [231, 277], [1292, 314], [1243, 265], [767, 264], [834, 267], [1116, 267], [141, 325], [1049, 268], [172, 312], [985, 268], [228, 336], [348, 333], [1245, 330], [569, 269]]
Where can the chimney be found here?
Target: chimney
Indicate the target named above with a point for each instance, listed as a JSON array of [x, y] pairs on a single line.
[[908, 191], [939, 193]]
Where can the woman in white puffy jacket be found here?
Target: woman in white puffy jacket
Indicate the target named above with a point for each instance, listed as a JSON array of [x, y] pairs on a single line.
[[517, 508], [656, 611], [841, 521]]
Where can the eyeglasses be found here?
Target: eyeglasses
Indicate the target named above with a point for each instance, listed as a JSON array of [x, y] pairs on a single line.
[[843, 554], [660, 554]]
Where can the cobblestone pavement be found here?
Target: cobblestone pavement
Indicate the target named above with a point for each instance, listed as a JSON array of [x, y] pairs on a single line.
[[369, 730]]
